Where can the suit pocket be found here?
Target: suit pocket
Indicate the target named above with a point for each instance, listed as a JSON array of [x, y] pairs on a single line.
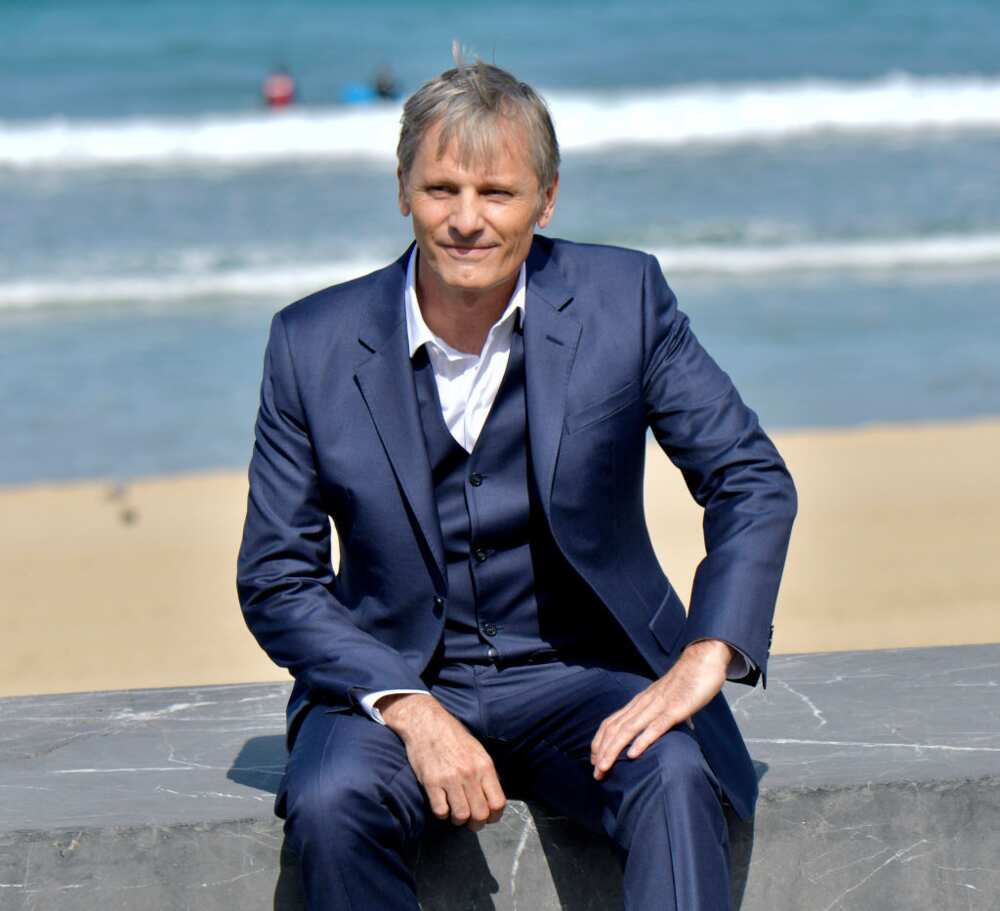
[[601, 410]]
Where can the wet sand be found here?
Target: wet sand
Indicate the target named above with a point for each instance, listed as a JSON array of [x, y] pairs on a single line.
[[107, 587]]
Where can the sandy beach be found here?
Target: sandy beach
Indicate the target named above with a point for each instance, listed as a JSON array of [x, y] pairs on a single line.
[[107, 586]]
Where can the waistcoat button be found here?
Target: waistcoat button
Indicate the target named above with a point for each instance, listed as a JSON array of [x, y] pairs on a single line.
[[480, 555], [475, 479], [489, 629]]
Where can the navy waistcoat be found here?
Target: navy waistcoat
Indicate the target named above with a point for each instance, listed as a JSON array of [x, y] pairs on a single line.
[[512, 597]]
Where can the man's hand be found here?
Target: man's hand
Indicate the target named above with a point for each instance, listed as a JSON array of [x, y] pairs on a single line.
[[688, 686], [452, 766]]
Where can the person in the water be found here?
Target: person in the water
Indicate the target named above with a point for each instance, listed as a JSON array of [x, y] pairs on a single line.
[[384, 84], [279, 88]]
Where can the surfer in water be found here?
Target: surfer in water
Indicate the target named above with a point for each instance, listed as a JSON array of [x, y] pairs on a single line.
[[382, 87], [279, 88], [385, 85]]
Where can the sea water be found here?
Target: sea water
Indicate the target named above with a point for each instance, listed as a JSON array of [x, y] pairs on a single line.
[[821, 184]]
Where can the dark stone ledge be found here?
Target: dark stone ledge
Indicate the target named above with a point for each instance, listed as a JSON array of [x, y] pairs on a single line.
[[880, 789]]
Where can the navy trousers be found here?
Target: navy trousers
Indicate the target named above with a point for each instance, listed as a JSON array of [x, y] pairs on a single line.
[[354, 809]]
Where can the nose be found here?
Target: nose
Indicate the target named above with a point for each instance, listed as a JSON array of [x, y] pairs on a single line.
[[466, 217]]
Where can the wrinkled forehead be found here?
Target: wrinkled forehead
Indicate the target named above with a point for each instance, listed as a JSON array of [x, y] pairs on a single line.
[[483, 141]]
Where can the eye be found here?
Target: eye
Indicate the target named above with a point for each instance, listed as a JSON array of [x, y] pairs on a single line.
[[497, 193], [439, 190]]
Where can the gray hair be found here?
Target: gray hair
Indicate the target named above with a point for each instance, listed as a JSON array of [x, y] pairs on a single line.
[[471, 102]]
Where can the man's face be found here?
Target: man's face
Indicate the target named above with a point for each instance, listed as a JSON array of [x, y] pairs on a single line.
[[474, 224]]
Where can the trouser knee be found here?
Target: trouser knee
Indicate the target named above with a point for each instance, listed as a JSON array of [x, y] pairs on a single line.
[[326, 815], [345, 814], [672, 772]]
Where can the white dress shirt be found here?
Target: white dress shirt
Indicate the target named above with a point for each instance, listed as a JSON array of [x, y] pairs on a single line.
[[467, 385]]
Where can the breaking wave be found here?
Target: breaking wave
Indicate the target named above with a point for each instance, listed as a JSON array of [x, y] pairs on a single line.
[[284, 283], [709, 114]]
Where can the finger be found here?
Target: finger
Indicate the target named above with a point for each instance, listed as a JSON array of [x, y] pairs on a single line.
[[613, 747], [608, 730], [608, 725], [495, 797], [598, 741], [439, 802], [652, 733], [597, 744], [459, 805], [479, 809], [603, 742], [606, 760], [628, 729]]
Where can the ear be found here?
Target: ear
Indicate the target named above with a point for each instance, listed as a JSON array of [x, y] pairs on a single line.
[[404, 202], [548, 203]]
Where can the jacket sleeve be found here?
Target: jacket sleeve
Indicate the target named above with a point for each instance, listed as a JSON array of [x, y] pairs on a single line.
[[284, 575], [732, 470]]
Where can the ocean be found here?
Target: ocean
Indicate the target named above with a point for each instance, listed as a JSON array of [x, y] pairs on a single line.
[[821, 183]]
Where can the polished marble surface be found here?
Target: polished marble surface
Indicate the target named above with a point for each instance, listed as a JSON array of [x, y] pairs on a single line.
[[880, 789], [824, 721]]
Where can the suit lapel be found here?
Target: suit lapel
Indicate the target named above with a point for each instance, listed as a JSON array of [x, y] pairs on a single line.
[[551, 335], [385, 379]]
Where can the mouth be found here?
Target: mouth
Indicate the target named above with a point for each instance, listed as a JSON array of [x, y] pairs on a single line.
[[459, 251]]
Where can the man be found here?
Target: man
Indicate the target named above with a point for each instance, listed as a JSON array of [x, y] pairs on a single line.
[[474, 419]]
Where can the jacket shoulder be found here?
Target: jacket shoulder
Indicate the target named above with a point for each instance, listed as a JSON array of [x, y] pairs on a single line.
[[601, 277], [594, 263]]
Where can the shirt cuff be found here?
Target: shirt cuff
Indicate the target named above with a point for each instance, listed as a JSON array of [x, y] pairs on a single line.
[[368, 702], [739, 665]]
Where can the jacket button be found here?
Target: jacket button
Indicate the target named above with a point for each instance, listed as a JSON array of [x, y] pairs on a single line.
[[475, 479], [492, 653], [480, 555], [489, 629], [438, 603]]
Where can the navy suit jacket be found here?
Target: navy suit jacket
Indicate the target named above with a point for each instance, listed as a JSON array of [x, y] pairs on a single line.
[[608, 356]]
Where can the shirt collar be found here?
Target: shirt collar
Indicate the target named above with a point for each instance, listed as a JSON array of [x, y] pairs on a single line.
[[419, 333]]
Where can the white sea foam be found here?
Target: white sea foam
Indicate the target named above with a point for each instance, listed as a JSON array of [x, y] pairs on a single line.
[[954, 251], [714, 114], [282, 284]]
